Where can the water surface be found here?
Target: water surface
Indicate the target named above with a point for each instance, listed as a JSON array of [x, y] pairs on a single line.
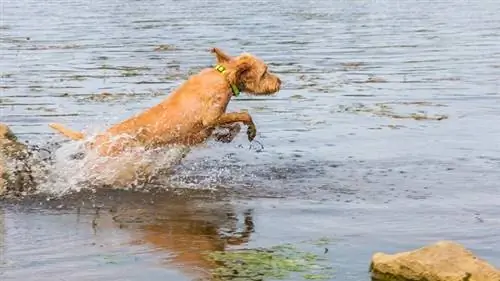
[[340, 159]]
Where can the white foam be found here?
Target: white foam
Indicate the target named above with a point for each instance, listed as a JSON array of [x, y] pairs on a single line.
[[130, 169]]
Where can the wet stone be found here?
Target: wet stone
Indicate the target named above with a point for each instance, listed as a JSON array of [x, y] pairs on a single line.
[[442, 261]]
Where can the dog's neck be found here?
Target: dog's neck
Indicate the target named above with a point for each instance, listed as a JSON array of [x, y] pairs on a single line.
[[234, 88]]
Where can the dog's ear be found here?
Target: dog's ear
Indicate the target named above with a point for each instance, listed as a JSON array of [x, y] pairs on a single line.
[[240, 65], [220, 55], [244, 63]]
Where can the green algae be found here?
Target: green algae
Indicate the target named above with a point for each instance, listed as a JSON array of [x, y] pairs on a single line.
[[275, 263], [130, 72], [164, 47], [41, 108], [388, 111], [77, 77], [6, 100], [114, 97], [35, 88], [323, 241]]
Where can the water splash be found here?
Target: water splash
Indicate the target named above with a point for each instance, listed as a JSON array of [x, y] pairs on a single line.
[[73, 168], [58, 169]]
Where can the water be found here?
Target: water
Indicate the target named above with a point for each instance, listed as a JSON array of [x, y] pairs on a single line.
[[374, 183]]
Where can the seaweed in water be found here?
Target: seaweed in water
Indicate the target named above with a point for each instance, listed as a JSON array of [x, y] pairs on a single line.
[[277, 262], [384, 110]]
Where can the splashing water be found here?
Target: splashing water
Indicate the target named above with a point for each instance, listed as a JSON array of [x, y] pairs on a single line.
[[57, 169], [66, 172]]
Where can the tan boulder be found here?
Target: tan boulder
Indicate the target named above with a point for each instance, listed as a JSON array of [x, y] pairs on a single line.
[[442, 261]]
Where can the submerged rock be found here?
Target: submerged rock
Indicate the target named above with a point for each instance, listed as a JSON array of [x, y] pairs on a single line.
[[442, 261]]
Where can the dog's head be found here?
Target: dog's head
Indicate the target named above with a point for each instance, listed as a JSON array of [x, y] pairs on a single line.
[[249, 73]]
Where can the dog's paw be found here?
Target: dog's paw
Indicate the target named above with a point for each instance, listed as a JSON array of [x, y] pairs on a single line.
[[251, 132]]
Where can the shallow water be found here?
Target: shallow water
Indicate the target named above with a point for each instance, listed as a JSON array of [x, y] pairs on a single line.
[[335, 162]]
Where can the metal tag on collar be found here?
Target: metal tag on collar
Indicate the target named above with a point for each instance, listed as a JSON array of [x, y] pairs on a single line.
[[234, 89], [220, 68]]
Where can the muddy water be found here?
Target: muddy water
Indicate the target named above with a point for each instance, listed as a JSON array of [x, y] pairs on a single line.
[[383, 138]]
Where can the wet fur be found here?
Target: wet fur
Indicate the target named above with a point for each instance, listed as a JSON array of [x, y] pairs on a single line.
[[190, 114]]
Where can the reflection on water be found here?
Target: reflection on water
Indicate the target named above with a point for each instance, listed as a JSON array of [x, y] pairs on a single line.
[[180, 227], [189, 232]]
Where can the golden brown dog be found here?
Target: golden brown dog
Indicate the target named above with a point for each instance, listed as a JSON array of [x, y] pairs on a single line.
[[193, 111]]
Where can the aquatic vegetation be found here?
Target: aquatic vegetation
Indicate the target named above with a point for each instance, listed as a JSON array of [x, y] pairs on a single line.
[[108, 97], [77, 77], [374, 79], [278, 263], [41, 108], [352, 65], [51, 47], [323, 241], [6, 100], [385, 110], [130, 72], [101, 97], [6, 75], [35, 88], [417, 103], [126, 71], [164, 47], [124, 68], [392, 126], [297, 97]]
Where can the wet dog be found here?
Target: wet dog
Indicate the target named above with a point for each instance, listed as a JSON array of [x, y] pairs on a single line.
[[190, 114]]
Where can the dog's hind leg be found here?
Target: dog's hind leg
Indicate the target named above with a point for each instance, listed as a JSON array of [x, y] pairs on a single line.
[[74, 135]]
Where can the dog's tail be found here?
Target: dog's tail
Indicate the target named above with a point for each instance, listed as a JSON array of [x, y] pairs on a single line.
[[74, 135]]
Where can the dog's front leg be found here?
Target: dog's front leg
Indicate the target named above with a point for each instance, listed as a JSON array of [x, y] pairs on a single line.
[[226, 137], [234, 117]]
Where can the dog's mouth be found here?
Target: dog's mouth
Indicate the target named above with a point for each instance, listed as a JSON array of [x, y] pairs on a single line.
[[263, 92], [271, 91]]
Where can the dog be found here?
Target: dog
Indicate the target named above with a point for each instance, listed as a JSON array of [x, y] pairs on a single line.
[[190, 114]]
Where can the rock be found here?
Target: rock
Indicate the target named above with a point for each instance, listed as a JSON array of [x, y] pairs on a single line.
[[15, 174], [3, 187], [442, 261]]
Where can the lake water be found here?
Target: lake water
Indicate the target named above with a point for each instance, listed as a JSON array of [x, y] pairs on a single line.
[[383, 138]]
